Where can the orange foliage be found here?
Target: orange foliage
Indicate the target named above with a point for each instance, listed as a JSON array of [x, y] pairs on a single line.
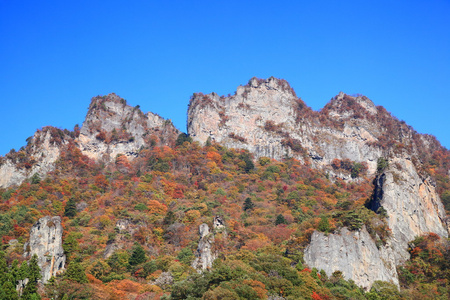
[[156, 207]]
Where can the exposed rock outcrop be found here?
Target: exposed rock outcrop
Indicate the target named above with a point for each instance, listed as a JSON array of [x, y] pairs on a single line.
[[411, 203], [355, 254], [268, 119], [38, 157], [112, 127], [205, 256], [46, 243]]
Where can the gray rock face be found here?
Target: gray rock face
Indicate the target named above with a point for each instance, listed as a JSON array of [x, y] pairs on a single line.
[[268, 119], [355, 254], [46, 243], [41, 155], [205, 256], [412, 205], [112, 127]]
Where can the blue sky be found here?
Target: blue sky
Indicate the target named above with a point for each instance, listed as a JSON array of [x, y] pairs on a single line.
[[56, 55]]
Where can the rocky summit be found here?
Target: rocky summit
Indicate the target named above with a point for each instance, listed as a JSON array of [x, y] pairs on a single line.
[[262, 198]]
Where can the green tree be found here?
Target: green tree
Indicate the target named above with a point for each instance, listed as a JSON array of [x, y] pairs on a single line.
[[9, 291], [183, 137], [71, 209], [137, 256], [35, 179], [186, 256], [324, 225], [70, 245], [75, 272], [34, 274], [3, 268], [280, 220], [382, 164], [248, 204]]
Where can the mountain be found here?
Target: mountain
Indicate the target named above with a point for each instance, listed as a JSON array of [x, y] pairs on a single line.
[[263, 198], [267, 118]]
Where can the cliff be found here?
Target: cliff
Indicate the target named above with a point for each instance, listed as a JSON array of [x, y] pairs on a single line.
[[268, 119], [46, 242], [355, 254], [38, 157], [411, 203], [112, 127]]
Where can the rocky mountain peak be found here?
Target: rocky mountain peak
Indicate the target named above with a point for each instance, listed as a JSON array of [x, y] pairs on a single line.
[[38, 157], [344, 106], [271, 83], [113, 127]]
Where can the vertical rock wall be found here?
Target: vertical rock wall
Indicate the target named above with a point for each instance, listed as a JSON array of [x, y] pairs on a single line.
[[205, 256], [355, 254], [46, 243], [412, 205]]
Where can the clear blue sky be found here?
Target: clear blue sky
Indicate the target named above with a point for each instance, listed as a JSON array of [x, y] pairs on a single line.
[[56, 55]]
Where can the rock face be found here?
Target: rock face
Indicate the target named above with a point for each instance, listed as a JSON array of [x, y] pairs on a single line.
[[412, 205], [206, 252], [268, 119], [112, 127], [205, 256], [38, 157], [46, 243], [355, 254]]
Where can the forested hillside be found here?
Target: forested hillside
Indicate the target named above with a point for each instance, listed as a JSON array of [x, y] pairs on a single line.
[[131, 228]]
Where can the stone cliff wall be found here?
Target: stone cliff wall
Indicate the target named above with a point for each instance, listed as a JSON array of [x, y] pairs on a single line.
[[205, 256], [355, 254], [411, 203], [40, 157], [46, 242], [268, 119], [112, 127]]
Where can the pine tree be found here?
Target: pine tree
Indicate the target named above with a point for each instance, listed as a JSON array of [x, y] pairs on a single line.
[[9, 291], [71, 209], [280, 220], [75, 272], [3, 268], [138, 255], [248, 204], [34, 274]]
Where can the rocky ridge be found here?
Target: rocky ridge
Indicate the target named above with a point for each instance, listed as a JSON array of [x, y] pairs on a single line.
[[267, 118], [111, 127], [39, 157]]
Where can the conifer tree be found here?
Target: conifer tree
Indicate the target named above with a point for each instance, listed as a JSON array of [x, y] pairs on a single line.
[[248, 204], [9, 291], [75, 272], [138, 255], [280, 220], [71, 209], [33, 275]]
